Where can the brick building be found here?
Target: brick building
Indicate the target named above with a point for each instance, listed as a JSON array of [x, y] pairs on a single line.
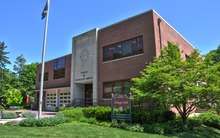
[[102, 58]]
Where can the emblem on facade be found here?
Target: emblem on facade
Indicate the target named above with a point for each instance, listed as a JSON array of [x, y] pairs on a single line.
[[84, 55]]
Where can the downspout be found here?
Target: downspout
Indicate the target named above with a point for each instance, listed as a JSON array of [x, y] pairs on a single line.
[[160, 35]]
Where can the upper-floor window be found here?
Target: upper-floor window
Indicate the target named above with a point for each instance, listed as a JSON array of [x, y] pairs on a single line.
[[58, 74], [59, 63], [122, 49], [59, 68]]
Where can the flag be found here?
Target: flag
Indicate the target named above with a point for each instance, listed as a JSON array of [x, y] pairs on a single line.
[[44, 13]]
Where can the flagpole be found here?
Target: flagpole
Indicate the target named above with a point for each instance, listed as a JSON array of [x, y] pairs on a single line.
[[43, 62]]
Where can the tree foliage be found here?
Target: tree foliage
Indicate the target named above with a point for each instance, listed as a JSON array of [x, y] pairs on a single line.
[[19, 64], [212, 61], [4, 59], [13, 97], [175, 82], [27, 79], [213, 57], [22, 80]]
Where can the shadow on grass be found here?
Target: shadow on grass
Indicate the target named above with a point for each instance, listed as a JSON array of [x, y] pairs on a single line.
[[201, 132]]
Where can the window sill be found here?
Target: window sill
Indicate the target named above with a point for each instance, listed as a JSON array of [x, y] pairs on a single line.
[[124, 58]]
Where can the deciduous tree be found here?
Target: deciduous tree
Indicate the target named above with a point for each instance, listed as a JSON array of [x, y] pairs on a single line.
[[175, 82]]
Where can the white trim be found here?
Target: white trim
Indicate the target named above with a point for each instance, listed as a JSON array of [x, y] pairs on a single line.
[[172, 28], [123, 58]]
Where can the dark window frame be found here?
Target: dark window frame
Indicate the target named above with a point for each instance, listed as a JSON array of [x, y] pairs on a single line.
[[59, 68], [126, 48], [59, 63], [59, 74], [113, 83]]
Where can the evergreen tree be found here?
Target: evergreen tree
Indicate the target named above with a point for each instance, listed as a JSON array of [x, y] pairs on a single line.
[[4, 60], [19, 64]]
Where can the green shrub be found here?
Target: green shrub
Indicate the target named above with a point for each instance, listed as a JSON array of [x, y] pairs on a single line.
[[140, 117], [155, 116], [101, 113], [73, 114], [168, 116], [9, 115], [156, 128], [28, 115], [136, 128], [211, 119], [124, 125], [88, 120], [43, 122], [170, 127], [29, 122], [1, 108], [13, 97], [105, 124]]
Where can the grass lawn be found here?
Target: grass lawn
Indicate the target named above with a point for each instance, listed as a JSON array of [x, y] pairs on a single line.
[[82, 130], [70, 130]]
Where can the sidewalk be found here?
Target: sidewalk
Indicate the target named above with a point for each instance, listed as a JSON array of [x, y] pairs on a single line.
[[17, 120]]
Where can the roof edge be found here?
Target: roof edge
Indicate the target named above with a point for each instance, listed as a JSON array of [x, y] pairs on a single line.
[[131, 17], [173, 28]]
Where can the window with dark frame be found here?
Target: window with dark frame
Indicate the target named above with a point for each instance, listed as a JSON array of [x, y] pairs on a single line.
[[58, 74], [59, 68], [122, 49], [115, 87]]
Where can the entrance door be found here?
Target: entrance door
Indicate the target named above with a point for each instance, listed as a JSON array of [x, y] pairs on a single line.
[[88, 94]]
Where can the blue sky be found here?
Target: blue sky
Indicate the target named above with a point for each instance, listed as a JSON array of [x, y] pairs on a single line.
[[21, 26]]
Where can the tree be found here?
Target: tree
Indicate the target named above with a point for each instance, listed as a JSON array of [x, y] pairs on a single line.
[[27, 79], [13, 97], [19, 64], [212, 61], [174, 82], [4, 60], [9, 81], [213, 56]]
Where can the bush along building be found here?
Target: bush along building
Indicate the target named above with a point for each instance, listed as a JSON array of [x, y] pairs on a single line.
[[105, 58]]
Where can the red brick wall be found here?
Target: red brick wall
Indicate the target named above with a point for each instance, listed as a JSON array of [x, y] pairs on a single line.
[[169, 34], [129, 67], [51, 83]]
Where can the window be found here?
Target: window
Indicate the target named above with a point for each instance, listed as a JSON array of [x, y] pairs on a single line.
[[59, 68], [46, 76], [51, 100], [59, 63], [118, 87], [64, 98], [108, 89], [122, 49], [58, 74]]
